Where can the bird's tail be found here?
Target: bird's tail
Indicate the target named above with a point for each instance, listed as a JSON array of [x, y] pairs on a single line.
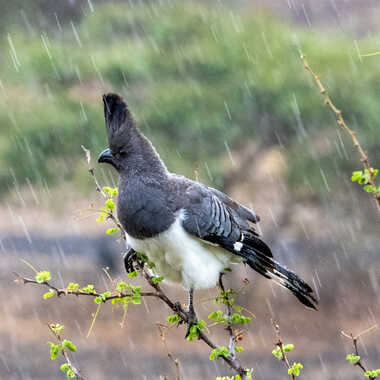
[[258, 256]]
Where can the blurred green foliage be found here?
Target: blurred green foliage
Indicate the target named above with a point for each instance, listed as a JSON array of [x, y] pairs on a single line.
[[198, 79]]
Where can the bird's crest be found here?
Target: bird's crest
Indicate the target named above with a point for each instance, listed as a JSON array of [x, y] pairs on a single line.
[[117, 116]]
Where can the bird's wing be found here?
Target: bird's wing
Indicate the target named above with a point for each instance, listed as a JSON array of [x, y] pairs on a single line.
[[242, 211], [210, 219], [213, 216]]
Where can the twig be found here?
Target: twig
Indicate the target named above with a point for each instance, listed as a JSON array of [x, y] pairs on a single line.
[[98, 188], [232, 344], [65, 292], [354, 340], [66, 355], [171, 357], [280, 345], [341, 123]]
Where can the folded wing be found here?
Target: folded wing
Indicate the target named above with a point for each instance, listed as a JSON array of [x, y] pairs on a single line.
[[212, 216]]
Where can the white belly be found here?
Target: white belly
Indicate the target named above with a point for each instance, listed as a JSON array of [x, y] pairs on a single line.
[[181, 258]]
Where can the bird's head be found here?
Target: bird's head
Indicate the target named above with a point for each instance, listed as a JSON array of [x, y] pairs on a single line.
[[121, 132]]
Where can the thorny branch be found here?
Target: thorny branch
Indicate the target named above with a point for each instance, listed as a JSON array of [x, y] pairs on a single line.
[[341, 123], [354, 340], [280, 345], [66, 355]]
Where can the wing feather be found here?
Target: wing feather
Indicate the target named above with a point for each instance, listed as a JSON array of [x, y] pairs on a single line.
[[209, 218]]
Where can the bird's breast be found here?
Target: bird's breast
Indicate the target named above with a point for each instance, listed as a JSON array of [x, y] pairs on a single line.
[[143, 212], [182, 258]]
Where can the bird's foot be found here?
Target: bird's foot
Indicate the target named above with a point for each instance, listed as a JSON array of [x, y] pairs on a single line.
[[130, 259], [192, 320], [178, 307]]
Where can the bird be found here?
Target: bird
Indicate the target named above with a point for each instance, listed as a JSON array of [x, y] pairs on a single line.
[[190, 231]]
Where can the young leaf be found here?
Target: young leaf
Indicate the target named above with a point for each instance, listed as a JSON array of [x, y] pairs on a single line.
[[43, 276], [57, 328], [353, 359], [295, 369], [55, 349], [49, 294], [288, 347], [69, 344], [277, 353], [174, 318], [110, 204], [73, 286], [112, 231]]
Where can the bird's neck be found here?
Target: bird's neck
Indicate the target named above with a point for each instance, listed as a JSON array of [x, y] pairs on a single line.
[[143, 160]]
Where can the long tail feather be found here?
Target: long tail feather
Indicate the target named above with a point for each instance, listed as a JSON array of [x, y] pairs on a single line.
[[258, 256]]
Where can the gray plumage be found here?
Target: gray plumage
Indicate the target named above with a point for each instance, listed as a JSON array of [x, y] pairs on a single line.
[[153, 201]]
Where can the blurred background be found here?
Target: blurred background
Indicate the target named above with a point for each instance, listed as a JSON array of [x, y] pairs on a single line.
[[220, 89]]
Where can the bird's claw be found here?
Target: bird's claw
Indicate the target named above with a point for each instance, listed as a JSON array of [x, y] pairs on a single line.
[[130, 258], [192, 320]]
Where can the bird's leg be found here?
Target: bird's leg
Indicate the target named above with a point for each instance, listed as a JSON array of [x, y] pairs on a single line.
[[192, 317]]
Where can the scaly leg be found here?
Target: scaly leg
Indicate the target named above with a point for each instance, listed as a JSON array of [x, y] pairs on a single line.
[[192, 317]]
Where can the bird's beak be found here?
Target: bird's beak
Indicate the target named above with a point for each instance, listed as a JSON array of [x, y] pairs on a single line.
[[106, 156]]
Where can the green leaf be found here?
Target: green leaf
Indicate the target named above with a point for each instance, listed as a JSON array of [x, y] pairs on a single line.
[[193, 333], [64, 367], [218, 317], [174, 318], [112, 231], [57, 328], [288, 347], [73, 286], [121, 286], [89, 289], [157, 279], [48, 294], [100, 218], [238, 308], [43, 276], [194, 330], [239, 349], [55, 349], [277, 353], [295, 369], [219, 351], [69, 344], [132, 274], [201, 324], [356, 176], [369, 188], [110, 204], [372, 374], [102, 297], [110, 191], [353, 359]]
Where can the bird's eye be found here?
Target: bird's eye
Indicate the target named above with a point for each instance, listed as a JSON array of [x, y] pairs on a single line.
[[122, 152]]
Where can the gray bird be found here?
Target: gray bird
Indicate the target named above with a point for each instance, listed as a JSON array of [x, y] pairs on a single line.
[[191, 232]]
